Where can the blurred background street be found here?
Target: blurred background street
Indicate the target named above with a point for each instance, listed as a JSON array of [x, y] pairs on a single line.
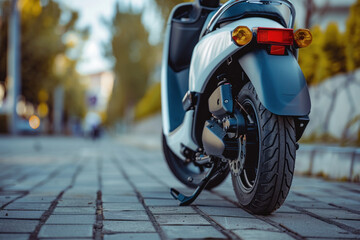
[[73, 67], [80, 127]]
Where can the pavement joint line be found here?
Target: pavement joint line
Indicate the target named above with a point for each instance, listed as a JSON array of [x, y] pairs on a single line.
[[53, 174], [264, 219], [18, 180], [280, 227], [330, 204], [228, 233], [151, 216], [345, 208], [329, 221], [47, 213], [218, 227], [147, 172], [352, 190], [98, 226]]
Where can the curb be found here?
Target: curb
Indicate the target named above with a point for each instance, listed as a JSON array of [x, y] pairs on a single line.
[[331, 162]]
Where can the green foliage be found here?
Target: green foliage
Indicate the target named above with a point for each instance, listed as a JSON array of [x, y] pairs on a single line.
[[331, 51], [134, 61], [325, 57], [353, 38], [150, 103], [333, 48]]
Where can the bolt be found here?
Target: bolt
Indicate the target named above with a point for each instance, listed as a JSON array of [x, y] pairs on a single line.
[[190, 179], [226, 101]]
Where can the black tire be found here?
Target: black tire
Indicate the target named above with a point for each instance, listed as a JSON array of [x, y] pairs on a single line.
[[270, 163], [183, 171]]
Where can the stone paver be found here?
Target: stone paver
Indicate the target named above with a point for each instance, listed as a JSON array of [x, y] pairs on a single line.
[[17, 226], [28, 206], [181, 220], [310, 227], [6, 236], [65, 231], [172, 210], [75, 210], [79, 189], [335, 214], [71, 219], [224, 211], [235, 223], [122, 206], [9, 214], [253, 234], [127, 226], [133, 236], [192, 232], [126, 215]]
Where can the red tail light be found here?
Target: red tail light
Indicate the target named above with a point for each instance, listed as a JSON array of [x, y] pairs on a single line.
[[279, 36], [277, 50]]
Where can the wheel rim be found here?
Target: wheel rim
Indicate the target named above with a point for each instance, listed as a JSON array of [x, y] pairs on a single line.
[[249, 149]]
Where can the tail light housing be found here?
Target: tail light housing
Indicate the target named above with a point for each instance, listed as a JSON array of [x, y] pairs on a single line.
[[242, 35], [278, 39], [303, 38], [278, 36]]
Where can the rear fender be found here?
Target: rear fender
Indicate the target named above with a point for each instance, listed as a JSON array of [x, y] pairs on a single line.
[[278, 81]]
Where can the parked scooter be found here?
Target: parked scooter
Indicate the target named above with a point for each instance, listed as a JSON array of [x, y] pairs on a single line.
[[234, 98]]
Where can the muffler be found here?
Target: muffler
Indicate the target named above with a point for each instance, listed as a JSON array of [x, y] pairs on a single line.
[[217, 143]]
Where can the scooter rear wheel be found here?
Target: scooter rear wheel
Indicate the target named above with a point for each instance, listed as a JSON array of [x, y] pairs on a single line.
[[183, 171], [268, 156]]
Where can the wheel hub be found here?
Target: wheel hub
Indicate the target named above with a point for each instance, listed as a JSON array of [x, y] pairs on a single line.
[[237, 165]]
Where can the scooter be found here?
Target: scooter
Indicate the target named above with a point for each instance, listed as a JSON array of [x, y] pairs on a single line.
[[234, 98]]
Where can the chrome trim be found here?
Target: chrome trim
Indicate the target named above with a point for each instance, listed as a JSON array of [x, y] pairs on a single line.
[[231, 3]]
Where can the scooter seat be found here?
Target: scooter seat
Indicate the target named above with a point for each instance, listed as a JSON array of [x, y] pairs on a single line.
[[244, 10]]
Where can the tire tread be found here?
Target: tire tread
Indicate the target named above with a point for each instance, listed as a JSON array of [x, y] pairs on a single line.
[[277, 156]]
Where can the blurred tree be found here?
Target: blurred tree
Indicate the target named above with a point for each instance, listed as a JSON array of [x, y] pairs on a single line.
[[314, 10], [134, 61], [166, 6], [309, 57], [353, 38], [333, 60], [44, 27], [150, 103], [325, 57]]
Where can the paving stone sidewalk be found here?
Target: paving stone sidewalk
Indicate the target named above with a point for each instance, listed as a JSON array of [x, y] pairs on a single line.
[[65, 188]]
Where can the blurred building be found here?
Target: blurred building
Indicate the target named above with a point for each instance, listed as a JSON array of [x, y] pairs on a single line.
[[100, 86], [322, 12]]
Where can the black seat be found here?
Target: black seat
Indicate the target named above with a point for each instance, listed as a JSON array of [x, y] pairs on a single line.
[[186, 25], [244, 10]]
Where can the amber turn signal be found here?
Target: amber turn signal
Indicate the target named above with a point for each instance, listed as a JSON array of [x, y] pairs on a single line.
[[303, 38], [242, 35]]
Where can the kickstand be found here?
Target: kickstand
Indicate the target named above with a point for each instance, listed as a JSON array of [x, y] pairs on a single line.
[[187, 200]]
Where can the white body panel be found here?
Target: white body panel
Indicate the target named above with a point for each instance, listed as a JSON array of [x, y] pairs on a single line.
[[164, 84], [207, 55], [206, 58], [182, 135]]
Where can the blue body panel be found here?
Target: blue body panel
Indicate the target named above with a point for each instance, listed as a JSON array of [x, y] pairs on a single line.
[[279, 82]]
